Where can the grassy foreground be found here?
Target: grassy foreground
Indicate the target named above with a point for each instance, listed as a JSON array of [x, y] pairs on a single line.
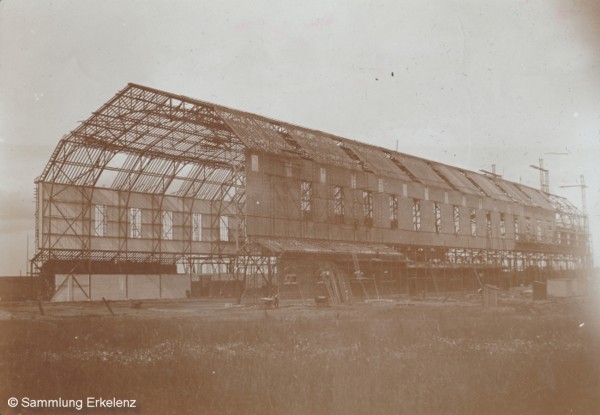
[[365, 359]]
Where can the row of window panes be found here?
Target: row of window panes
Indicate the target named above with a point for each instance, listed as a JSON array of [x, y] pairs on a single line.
[[456, 220], [135, 224], [306, 207], [367, 196], [568, 238], [306, 191]]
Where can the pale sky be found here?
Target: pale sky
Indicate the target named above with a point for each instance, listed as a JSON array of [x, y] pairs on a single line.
[[475, 82]]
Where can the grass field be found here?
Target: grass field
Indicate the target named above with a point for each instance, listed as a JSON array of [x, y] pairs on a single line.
[[395, 357]]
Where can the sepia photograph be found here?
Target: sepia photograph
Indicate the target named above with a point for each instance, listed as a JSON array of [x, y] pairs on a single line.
[[290, 208]]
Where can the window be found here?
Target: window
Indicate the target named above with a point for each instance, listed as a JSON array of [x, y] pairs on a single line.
[[393, 211], [197, 227], [538, 230], [368, 207], [528, 227], [287, 167], [306, 199], [167, 225], [416, 213], [488, 225], [135, 223], [353, 181], [224, 228], [380, 185], [323, 174], [100, 220], [456, 219], [437, 214], [517, 228], [502, 225], [254, 162], [473, 218], [338, 201]]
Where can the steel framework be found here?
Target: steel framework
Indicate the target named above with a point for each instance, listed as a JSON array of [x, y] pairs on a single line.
[[142, 141], [181, 160]]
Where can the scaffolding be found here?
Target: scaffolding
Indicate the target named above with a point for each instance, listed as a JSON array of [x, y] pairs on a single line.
[[154, 181], [143, 148]]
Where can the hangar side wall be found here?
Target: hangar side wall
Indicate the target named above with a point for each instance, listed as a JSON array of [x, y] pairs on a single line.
[[273, 192], [67, 220]]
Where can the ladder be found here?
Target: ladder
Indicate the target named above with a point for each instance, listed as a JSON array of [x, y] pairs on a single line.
[[345, 288], [326, 278], [357, 272], [335, 288], [358, 275]]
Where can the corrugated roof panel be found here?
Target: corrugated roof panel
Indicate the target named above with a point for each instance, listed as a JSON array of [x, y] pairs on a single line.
[[513, 191], [488, 186], [376, 160], [320, 147], [537, 197], [422, 171], [458, 179]]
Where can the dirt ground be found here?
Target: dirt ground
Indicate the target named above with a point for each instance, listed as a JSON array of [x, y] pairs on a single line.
[[428, 355], [223, 308]]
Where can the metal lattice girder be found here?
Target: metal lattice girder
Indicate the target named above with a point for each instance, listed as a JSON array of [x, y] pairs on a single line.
[[144, 140], [567, 215]]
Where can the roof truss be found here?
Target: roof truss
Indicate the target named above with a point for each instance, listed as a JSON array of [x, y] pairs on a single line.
[[145, 140]]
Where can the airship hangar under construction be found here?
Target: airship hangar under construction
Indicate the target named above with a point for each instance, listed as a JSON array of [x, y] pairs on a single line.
[[158, 195]]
